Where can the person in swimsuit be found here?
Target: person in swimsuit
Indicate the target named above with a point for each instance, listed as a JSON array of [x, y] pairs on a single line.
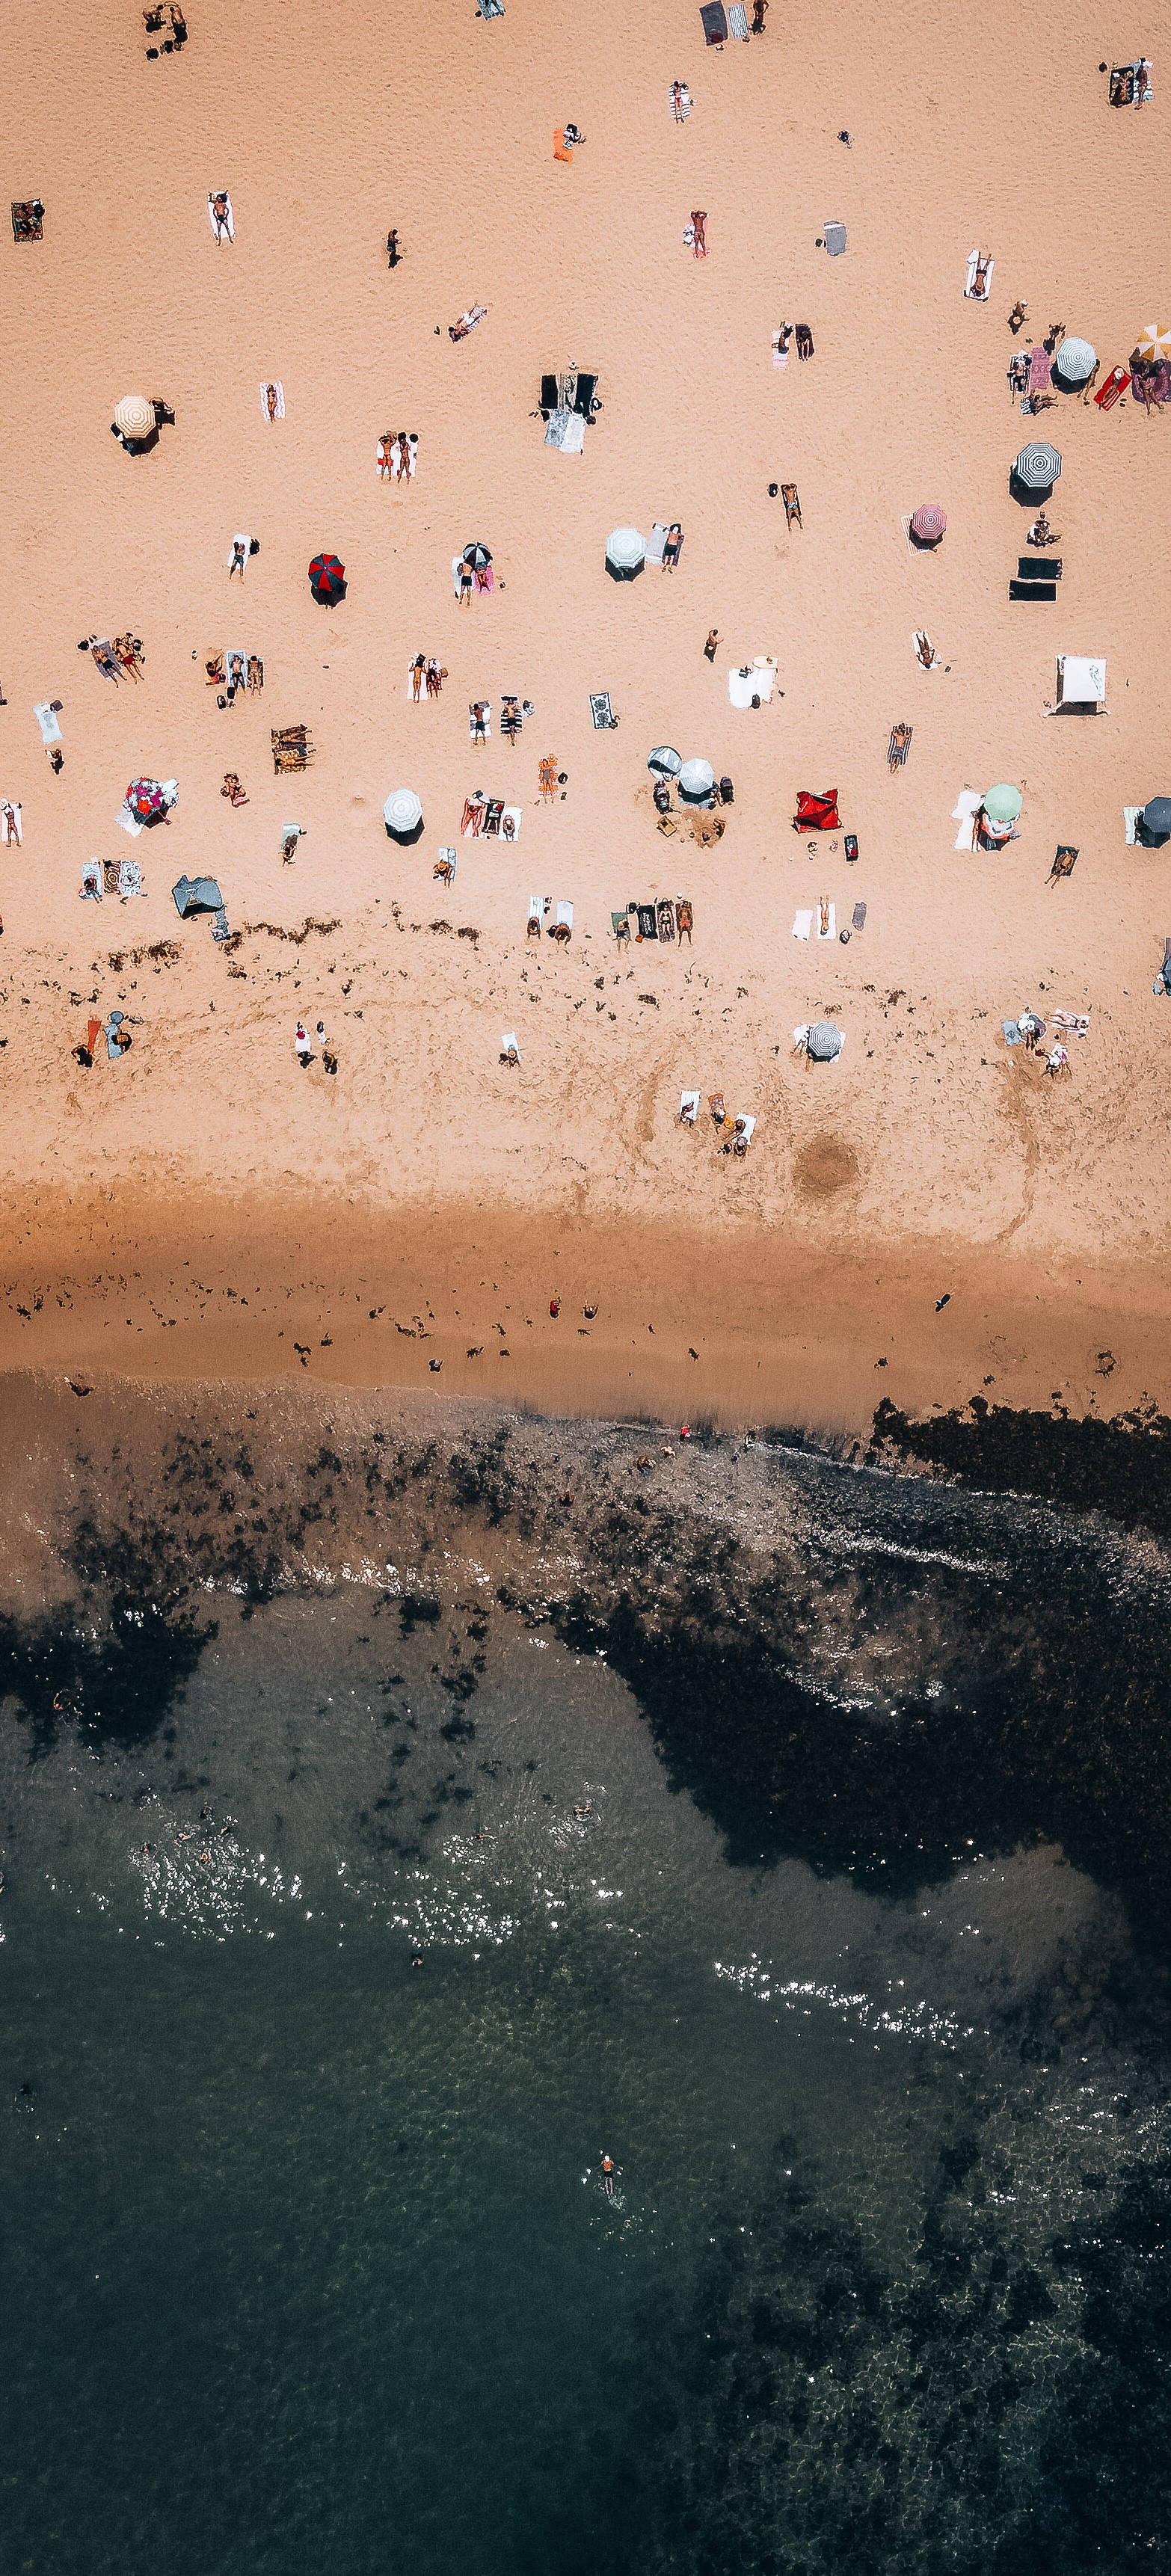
[[699, 224]]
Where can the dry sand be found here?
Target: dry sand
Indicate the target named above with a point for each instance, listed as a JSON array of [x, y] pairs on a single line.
[[425, 1180]]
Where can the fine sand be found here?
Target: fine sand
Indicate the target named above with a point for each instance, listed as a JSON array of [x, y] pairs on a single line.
[[206, 1208]]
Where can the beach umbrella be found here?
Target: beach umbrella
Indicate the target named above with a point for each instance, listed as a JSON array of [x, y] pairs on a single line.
[[327, 577], [664, 762], [1154, 341], [1075, 360], [696, 780], [824, 1042], [403, 814], [625, 553], [1038, 467], [1003, 804], [144, 796], [134, 416], [1157, 817], [928, 523], [477, 556]]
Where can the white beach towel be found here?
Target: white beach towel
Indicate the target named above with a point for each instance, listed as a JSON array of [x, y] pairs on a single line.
[[921, 637], [566, 431], [656, 543], [800, 1035], [474, 734], [689, 1107], [755, 681], [508, 1044], [129, 879], [456, 568], [780, 356], [538, 906], [1130, 815], [128, 822], [565, 915], [422, 699], [970, 284], [239, 540], [50, 729], [747, 1127], [231, 220], [7, 809], [738, 19], [832, 931], [279, 391], [802, 924], [964, 812]]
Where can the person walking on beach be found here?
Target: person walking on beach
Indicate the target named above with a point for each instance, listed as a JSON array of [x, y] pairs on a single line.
[[393, 253]]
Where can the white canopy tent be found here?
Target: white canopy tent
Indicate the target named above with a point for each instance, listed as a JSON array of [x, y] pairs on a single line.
[[1081, 681]]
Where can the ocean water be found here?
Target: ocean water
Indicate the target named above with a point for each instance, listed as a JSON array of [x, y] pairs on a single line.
[[324, 1987]]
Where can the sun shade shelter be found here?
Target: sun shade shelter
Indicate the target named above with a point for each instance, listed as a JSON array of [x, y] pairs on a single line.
[[134, 417], [1075, 360], [1038, 467], [663, 762], [825, 1041], [928, 523], [403, 815], [625, 554], [1157, 818], [696, 780], [146, 800], [1081, 680], [197, 894], [1002, 805]]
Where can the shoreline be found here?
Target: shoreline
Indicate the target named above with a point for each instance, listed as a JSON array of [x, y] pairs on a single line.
[[741, 1329]]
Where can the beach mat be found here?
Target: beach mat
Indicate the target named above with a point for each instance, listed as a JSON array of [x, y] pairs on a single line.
[[714, 23], [1032, 590]]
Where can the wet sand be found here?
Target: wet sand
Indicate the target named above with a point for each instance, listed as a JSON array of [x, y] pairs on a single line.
[[930, 1160]]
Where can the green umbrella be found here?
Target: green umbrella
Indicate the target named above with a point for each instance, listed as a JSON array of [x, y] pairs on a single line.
[[1003, 804]]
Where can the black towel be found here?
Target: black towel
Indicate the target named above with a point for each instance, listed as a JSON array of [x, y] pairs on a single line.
[[714, 23], [1032, 590], [1038, 567], [648, 927]]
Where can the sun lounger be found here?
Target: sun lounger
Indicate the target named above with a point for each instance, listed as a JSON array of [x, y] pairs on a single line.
[[1032, 590], [601, 711], [831, 928], [802, 923], [834, 237], [964, 812], [714, 23]]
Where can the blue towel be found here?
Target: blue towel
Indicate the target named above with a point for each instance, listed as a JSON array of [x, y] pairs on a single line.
[[1012, 1034]]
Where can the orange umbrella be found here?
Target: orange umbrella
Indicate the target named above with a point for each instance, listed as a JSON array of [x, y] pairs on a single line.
[[1154, 341]]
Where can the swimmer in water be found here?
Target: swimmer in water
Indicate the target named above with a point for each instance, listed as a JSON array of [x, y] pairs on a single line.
[[608, 2176]]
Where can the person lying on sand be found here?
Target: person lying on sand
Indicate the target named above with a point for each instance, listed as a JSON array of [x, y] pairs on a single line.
[[699, 231]]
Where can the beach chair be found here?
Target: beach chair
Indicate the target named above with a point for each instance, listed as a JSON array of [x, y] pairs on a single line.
[[792, 500]]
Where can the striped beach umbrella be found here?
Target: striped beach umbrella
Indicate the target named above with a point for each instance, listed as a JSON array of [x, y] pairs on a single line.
[[1154, 341], [134, 416], [1038, 467]]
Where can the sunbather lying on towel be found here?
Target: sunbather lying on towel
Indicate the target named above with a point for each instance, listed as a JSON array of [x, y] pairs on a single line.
[[467, 322]]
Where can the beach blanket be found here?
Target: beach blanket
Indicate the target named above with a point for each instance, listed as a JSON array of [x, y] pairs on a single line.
[[656, 543], [802, 924], [565, 916], [831, 923], [11, 819], [688, 1107], [279, 391], [127, 821], [211, 217], [751, 681], [923, 640], [818, 813], [113, 1051], [570, 432], [714, 23], [738, 20], [28, 219], [91, 881], [684, 100], [562, 151], [859, 916], [746, 1125], [1075, 1024], [129, 879], [964, 812], [976, 287], [490, 9], [648, 927], [1013, 1032], [236, 666], [601, 711], [50, 729], [1040, 371], [1130, 815], [538, 907], [834, 236], [1116, 384], [480, 732], [665, 915]]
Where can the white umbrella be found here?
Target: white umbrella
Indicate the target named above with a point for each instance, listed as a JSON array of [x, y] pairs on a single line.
[[625, 553], [1075, 361], [696, 779], [134, 416], [402, 813]]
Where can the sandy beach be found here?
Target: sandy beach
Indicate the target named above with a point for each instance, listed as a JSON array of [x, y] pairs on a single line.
[[205, 1208]]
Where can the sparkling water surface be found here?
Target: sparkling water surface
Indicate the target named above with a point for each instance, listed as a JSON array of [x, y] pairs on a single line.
[[309, 2262]]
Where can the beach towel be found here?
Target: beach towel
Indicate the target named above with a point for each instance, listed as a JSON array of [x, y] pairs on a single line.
[[128, 821], [964, 812], [279, 391], [979, 292], [1040, 371], [562, 151], [564, 916], [239, 540], [752, 680], [714, 23], [230, 218], [656, 543], [601, 711], [50, 729], [566, 431], [921, 644], [780, 356], [91, 882], [834, 236], [1013, 1032], [11, 819], [688, 1107], [480, 732], [859, 916], [747, 1127], [538, 907], [818, 813], [490, 9], [802, 924], [620, 925], [665, 916], [801, 1035], [28, 219], [508, 1045], [236, 666], [648, 927], [1116, 384], [684, 108], [738, 20], [1074, 1024], [113, 1051], [129, 879], [831, 928], [510, 822], [1130, 815]]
